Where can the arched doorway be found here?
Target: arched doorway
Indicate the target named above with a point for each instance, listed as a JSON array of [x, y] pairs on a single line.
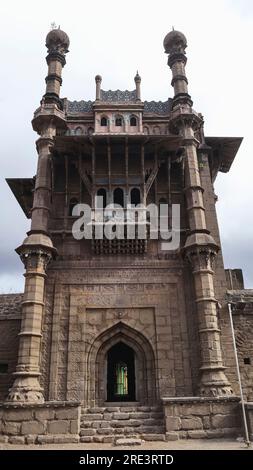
[[144, 365], [120, 373]]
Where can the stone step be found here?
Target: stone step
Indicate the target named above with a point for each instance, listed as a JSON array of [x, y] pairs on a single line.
[[89, 432], [153, 437], [121, 424], [128, 442], [124, 409], [115, 438]]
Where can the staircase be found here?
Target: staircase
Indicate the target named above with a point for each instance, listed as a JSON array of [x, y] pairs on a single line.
[[110, 423]]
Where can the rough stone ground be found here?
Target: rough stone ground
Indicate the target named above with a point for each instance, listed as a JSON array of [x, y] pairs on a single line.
[[196, 444]]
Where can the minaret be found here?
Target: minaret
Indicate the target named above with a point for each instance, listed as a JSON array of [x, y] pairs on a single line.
[[200, 248], [37, 249], [137, 80]]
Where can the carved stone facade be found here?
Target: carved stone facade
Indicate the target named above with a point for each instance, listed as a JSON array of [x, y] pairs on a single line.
[[122, 329]]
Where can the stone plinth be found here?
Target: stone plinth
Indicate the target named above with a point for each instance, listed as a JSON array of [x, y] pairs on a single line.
[[202, 417], [50, 422]]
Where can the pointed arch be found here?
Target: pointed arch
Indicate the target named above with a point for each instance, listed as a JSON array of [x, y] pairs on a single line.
[[144, 364]]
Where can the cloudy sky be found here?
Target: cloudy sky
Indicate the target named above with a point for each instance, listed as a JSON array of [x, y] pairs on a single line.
[[115, 39]]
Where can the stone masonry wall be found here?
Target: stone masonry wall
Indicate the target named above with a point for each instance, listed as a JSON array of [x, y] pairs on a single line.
[[243, 325], [40, 424], [202, 417], [10, 318]]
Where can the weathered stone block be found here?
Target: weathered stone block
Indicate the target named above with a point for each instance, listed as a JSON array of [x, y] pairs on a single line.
[[74, 427], [104, 431], [95, 424], [34, 427], [30, 439], [12, 429], [58, 427], [70, 413], [3, 439], [92, 417], [105, 424], [191, 423], [121, 416], [85, 439], [223, 408], [197, 434], [127, 409], [17, 440], [139, 415], [135, 422], [206, 422], [87, 432], [45, 414], [214, 433], [153, 437], [18, 415], [108, 439], [173, 423], [224, 421], [98, 439], [66, 439], [198, 409], [128, 442], [171, 436]]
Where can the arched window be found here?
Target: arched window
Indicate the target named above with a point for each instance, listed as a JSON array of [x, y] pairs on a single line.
[[102, 193], [118, 197], [146, 130], [156, 130], [135, 196], [78, 131], [133, 121], [118, 121], [103, 121], [90, 130], [72, 203]]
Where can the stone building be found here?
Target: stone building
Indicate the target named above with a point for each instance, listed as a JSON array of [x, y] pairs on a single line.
[[120, 336]]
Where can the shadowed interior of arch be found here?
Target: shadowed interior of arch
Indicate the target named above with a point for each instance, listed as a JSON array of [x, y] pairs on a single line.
[[120, 373]]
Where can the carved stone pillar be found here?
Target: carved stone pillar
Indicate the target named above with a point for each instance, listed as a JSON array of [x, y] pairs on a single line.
[[213, 381], [26, 387]]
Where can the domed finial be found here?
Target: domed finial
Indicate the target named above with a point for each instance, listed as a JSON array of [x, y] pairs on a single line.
[[137, 77], [57, 40], [175, 41], [98, 79]]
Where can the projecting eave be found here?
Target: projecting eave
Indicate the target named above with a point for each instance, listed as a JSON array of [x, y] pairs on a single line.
[[22, 189], [222, 153]]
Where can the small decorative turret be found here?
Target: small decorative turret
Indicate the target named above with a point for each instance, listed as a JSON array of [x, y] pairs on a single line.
[[98, 80], [137, 80], [57, 43]]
